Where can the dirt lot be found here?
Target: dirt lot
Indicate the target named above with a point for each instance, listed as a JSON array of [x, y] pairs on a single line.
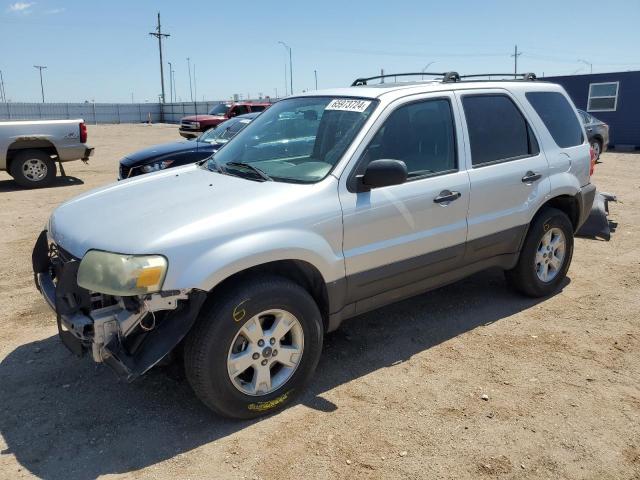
[[398, 392]]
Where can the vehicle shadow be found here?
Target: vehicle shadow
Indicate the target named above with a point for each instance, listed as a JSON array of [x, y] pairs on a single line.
[[65, 418], [11, 186]]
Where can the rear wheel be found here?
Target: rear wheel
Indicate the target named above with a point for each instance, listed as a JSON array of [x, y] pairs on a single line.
[[545, 256], [33, 169], [255, 348], [597, 148]]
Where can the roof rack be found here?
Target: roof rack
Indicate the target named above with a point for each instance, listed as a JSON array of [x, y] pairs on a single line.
[[529, 76], [448, 77]]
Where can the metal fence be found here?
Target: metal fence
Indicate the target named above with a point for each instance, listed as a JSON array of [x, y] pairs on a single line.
[[104, 112]]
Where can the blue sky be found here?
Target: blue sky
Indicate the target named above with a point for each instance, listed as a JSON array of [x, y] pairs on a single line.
[[102, 50]]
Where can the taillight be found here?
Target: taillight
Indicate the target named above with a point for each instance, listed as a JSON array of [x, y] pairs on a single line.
[[593, 160], [83, 133]]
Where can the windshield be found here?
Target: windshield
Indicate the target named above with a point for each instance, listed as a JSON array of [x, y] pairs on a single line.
[[299, 139], [225, 131], [219, 109]]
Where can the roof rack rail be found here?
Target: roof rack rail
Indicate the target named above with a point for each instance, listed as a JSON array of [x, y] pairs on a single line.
[[446, 77], [530, 76]]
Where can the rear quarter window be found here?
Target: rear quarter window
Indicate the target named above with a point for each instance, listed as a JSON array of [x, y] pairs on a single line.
[[558, 116]]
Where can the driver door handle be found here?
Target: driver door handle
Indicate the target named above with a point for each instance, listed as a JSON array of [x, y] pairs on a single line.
[[531, 177], [447, 196]]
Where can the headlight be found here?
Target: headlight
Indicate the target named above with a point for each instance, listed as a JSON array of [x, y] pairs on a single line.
[[196, 124], [121, 275], [154, 167]]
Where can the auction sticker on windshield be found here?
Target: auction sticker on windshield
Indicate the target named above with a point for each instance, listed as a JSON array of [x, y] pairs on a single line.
[[348, 105]]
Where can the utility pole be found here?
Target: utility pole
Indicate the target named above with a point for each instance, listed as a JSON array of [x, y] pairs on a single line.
[[159, 35], [2, 90], [41, 67], [287, 47], [515, 61], [189, 68], [170, 83], [315, 74]]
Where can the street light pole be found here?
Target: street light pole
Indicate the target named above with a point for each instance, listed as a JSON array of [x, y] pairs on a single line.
[[315, 74], [170, 83], [189, 68], [41, 67], [425, 68], [587, 63], [287, 47]]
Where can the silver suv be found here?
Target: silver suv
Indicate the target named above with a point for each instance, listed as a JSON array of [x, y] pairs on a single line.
[[328, 205]]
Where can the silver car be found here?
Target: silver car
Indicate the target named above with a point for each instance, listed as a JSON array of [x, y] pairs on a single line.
[[328, 205]]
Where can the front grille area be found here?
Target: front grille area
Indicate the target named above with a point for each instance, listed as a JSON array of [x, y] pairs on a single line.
[[124, 171], [188, 125]]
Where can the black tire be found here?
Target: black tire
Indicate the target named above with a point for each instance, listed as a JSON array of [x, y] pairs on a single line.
[[524, 276], [597, 147], [208, 345], [26, 164]]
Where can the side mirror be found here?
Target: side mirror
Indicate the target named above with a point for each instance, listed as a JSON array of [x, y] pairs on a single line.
[[382, 173]]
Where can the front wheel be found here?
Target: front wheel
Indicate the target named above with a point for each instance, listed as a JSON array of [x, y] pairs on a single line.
[[254, 348], [545, 256]]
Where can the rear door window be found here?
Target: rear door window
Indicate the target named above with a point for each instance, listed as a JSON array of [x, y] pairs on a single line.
[[558, 116], [498, 131]]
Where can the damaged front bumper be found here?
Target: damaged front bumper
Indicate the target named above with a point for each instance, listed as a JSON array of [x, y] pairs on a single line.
[[130, 334]]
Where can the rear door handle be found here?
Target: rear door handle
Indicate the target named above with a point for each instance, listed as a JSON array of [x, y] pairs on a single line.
[[531, 177], [447, 196]]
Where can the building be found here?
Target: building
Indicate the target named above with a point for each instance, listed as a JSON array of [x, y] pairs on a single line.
[[614, 98]]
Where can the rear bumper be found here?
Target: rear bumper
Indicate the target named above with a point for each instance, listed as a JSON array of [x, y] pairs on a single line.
[[585, 196], [87, 153]]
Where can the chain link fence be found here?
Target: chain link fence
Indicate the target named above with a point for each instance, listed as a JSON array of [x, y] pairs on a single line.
[[95, 113]]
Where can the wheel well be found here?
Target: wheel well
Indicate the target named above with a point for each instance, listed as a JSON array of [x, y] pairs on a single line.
[[568, 205], [37, 144], [298, 271]]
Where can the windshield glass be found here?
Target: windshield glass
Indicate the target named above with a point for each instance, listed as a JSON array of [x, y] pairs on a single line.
[[298, 139], [219, 109], [225, 131]]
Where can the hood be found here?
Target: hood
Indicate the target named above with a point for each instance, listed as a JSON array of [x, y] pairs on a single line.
[[157, 152], [200, 118], [168, 212]]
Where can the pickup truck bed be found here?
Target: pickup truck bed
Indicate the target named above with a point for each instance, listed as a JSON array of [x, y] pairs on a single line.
[[29, 150]]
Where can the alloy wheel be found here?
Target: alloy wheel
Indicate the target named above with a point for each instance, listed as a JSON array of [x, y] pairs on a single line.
[[550, 254], [265, 352]]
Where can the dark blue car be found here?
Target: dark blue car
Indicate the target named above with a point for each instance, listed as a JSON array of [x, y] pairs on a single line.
[[175, 154]]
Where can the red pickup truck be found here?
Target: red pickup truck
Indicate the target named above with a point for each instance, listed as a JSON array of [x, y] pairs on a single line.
[[194, 125]]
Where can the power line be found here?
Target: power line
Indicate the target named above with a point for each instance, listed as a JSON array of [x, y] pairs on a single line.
[[159, 35]]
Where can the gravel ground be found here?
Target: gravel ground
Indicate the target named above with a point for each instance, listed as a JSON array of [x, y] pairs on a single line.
[[470, 381]]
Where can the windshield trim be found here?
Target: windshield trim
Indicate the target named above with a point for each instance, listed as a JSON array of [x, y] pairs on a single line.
[[375, 102]]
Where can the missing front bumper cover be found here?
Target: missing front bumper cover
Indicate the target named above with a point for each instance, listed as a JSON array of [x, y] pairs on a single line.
[[104, 330]]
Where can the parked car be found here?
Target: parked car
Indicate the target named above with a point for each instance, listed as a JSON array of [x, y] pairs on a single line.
[[29, 150], [175, 154], [248, 259], [597, 131], [193, 126]]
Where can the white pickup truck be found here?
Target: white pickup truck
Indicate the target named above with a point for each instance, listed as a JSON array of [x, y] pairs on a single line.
[[29, 150]]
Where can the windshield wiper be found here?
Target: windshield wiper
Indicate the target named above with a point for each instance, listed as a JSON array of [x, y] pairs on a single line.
[[260, 173]]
